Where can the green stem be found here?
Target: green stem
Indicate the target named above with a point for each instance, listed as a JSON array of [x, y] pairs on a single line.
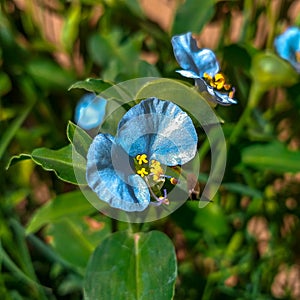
[[254, 97]]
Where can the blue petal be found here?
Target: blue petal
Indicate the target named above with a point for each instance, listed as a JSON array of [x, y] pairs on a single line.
[[224, 99], [90, 111], [159, 129], [287, 44], [212, 94], [110, 176], [188, 74], [193, 59]]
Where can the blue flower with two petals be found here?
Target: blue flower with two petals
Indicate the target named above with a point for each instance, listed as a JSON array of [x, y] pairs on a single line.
[[287, 46], [90, 111], [127, 171], [202, 65]]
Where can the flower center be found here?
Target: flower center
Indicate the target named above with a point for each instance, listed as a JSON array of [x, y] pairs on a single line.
[[219, 82], [153, 172]]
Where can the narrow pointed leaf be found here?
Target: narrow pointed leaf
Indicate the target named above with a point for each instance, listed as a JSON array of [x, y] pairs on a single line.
[[92, 85], [273, 157], [65, 162]]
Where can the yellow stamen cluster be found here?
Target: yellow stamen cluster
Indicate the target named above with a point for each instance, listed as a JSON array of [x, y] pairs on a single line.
[[153, 175], [142, 172], [142, 159], [219, 82], [156, 170]]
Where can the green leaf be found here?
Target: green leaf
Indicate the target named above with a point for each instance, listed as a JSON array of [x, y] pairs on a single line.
[[78, 138], [17, 158], [132, 266], [71, 26], [192, 16], [117, 56], [273, 157], [101, 48], [81, 235], [135, 7], [68, 240], [242, 189], [183, 95], [10, 132], [48, 74], [65, 162], [210, 219], [114, 113], [5, 84], [68, 204], [92, 85]]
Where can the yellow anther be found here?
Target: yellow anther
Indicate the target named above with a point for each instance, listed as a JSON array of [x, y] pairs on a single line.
[[142, 158], [206, 76], [219, 81], [219, 76], [142, 172], [231, 93], [227, 86], [173, 180]]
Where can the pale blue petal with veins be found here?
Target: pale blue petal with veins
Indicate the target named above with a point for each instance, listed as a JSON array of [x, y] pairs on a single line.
[[158, 129]]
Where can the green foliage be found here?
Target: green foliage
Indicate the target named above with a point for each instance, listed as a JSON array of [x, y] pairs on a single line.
[[145, 268], [68, 204], [192, 16], [271, 157], [55, 244]]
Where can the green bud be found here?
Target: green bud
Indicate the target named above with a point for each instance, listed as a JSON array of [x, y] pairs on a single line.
[[268, 71]]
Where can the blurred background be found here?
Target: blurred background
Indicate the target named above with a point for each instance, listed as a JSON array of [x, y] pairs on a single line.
[[242, 246]]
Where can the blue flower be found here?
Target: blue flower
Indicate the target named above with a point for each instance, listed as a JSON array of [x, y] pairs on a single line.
[[288, 46], [90, 111], [202, 65], [128, 171]]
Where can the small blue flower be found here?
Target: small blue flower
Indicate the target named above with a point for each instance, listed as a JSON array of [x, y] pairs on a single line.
[[128, 171], [202, 65], [90, 111], [288, 46]]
